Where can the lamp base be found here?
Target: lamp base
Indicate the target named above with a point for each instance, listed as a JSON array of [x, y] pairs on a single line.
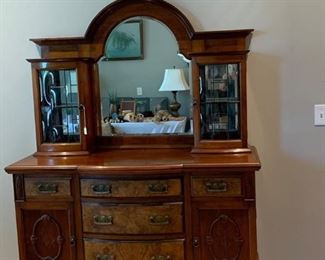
[[174, 106]]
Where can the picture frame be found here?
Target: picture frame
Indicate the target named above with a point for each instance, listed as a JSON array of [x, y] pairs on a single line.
[[125, 42]]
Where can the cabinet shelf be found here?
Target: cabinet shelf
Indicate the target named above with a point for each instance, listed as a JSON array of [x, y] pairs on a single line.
[[220, 100], [222, 130], [67, 106], [58, 87]]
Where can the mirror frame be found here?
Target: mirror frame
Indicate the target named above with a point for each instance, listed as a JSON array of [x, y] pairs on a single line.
[[99, 30]]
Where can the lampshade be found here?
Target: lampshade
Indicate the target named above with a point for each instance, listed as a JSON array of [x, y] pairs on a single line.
[[174, 80]]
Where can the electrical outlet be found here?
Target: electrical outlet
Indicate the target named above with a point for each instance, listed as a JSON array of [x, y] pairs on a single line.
[[319, 117], [139, 91]]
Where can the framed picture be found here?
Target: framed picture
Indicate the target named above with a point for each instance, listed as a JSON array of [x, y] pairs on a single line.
[[125, 42]]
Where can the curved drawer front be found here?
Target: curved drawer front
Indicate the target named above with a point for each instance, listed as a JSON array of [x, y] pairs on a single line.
[[109, 250], [47, 187], [130, 188], [132, 219], [210, 186]]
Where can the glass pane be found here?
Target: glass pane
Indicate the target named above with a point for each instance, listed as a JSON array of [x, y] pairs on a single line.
[[220, 101], [59, 106]]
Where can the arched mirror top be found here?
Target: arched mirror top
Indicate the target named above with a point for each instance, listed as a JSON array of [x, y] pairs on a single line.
[[121, 10]]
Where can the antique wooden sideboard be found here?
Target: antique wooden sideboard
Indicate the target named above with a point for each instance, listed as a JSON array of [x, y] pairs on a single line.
[[84, 195]]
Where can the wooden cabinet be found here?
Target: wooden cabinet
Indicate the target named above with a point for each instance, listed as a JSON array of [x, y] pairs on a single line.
[[45, 216], [110, 207], [220, 103], [84, 196], [61, 106], [46, 231], [220, 233], [224, 227]]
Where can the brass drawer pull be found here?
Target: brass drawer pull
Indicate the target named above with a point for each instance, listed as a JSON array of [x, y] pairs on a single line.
[[158, 187], [216, 186], [159, 220], [105, 257], [101, 189], [47, 188], [103, 220], [161, 257]]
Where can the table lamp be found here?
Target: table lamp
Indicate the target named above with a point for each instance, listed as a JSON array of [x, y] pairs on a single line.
[[174, 80]]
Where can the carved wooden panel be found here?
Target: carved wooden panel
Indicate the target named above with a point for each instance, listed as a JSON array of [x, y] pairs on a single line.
[[210, 186], [42, 225], [39, 188], [222, 234], [133, 219], [130, 188], [224, 238], [47, 234], [140, 250]]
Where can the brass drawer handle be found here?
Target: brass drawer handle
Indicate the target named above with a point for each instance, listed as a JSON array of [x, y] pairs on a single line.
[[159, 220], [101, 189], [216, 186], [161, 257], [158, 187], [105, 257], [47, 188], [103, 220]]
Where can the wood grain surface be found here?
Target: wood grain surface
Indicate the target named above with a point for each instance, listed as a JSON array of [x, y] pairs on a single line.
[[130, 188], [36, 187], [212, 186], [94, 249], [133, 218]]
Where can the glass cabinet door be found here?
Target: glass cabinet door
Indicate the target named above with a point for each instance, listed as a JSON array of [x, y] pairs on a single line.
[[59, 100], [219, 101]]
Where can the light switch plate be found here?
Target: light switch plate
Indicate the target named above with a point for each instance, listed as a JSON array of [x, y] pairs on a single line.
[[319, 115], [139, 91]]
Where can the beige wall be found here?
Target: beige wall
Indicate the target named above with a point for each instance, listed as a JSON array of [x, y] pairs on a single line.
[[286, 77]]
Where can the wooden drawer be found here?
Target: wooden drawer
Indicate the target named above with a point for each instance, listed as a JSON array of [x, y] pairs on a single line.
[[109, 250], [130, 188], [211, 186], [132, 218], [47, 187]]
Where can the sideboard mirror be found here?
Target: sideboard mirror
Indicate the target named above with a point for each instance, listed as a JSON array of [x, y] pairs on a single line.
[[138, 54], [145, 79]]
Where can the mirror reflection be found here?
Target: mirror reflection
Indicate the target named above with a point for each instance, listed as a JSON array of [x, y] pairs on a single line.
[[144, 84]]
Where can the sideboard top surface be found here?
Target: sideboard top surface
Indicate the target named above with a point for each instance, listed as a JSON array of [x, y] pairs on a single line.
[[160, 160]]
